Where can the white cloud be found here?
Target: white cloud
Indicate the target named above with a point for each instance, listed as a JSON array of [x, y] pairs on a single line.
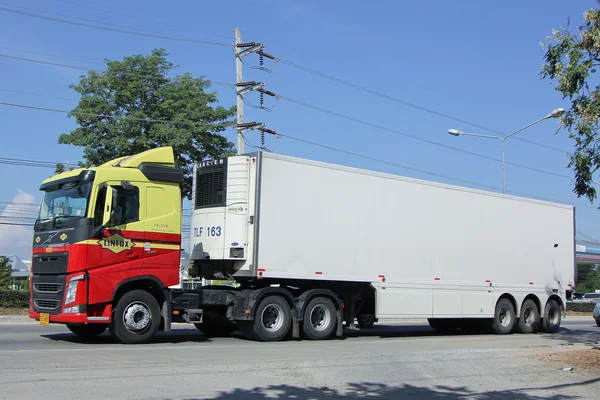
[[16, 239]]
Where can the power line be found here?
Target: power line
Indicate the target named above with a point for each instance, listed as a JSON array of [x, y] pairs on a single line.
[[418, 138], [287, 62], [15, 224], [105, 28], [137, 75], [126, 118], [49, 55], [407, 103], [28, 163], [37, 94], [45, 62], [143, 19], [382, 161], [340, 115]]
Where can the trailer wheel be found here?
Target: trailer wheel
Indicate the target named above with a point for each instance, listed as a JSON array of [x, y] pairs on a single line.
[[319, 319], [552, 317], [136, 317], [272, 320], [88, 330], [365, 320], [529, 320], [505, 317]]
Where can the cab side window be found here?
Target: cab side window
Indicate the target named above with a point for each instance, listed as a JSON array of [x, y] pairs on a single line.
[[99, 210], [126, 206]]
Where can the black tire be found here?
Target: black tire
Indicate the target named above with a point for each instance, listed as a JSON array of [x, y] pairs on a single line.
[[320, 319], [529, 320], [272, 320], [552, 316], [136, 318], [215, 327], [88, 330], [365, 320], [443, 325], [598, 322], [505, 317]]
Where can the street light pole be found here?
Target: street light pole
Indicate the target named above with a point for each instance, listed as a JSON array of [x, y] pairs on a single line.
[[554, 114]]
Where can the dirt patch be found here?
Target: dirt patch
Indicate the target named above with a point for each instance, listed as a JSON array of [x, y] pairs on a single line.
[[578, 314], [14, 311], [585, 359]]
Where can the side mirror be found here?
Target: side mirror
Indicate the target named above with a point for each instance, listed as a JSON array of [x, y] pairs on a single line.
[[108, 202]]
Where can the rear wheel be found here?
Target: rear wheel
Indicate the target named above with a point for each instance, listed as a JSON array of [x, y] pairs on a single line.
[[529, 320], [88, 330], [136, 317], [598, 322], [552, 317], [319, 319], [272, 320], [505, 317]]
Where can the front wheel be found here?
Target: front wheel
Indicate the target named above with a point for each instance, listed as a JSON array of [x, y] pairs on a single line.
[[552, 317], [136, 317], [87, 330]]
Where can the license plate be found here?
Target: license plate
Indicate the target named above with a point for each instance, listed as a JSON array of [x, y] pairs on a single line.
[[44, 319]]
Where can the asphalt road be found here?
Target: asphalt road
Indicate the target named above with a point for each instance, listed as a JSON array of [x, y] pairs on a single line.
[[390, 362]]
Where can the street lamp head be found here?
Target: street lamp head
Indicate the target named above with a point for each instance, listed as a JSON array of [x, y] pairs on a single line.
[[556, 113], [455, 132]]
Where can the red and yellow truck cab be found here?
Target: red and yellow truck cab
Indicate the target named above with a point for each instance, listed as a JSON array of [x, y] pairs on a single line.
[[101, 233]]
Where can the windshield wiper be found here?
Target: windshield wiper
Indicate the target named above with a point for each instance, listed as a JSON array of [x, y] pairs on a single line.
[[58, 219]]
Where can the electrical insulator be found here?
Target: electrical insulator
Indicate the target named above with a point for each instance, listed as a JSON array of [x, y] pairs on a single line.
[[261, 59], [262, 139], [262, 99]]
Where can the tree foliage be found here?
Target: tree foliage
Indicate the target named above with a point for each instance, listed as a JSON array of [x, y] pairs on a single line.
[[134, 105], [571, 60], [588, 278], [5, 271]]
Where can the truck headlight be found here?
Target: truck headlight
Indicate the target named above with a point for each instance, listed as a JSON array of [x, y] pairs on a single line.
[[72, 288]]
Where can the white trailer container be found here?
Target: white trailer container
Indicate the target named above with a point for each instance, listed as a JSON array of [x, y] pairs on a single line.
[[379, 246]]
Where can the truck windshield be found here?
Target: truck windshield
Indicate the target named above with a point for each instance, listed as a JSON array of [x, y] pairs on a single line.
[[68, 200]]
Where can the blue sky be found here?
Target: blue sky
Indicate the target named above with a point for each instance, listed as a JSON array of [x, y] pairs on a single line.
[[474, 60]]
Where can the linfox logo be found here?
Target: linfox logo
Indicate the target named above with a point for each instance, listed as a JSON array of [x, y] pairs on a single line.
[[211, 163], [116, 243]]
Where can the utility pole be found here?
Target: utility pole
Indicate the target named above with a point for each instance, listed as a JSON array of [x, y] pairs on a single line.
[[240, 98], [242, 87]]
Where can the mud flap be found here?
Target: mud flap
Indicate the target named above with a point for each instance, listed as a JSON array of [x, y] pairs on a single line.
[[340, 324], [295, 324], [166, 311]]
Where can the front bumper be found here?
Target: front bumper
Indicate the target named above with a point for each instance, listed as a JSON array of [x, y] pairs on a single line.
[[78, 318]]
